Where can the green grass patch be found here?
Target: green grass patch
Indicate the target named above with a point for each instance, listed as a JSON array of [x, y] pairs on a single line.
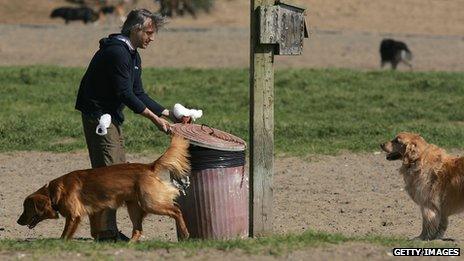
[[272, 245], [316, 111]]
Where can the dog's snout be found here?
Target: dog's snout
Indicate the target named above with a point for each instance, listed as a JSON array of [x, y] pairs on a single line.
[[21, 221], [382, 146]]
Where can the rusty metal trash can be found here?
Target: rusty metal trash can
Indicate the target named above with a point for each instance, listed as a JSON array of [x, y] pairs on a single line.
[[215, 205]]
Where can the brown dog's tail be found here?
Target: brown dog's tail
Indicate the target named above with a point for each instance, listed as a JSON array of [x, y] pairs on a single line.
[[175, 159]]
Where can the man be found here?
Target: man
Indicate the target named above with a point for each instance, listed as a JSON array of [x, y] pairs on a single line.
[[111, 82]]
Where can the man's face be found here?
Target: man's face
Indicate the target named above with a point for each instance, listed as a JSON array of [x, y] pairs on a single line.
[[141, 38]]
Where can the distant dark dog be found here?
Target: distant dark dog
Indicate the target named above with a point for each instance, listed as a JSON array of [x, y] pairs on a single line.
[[83, 14], [108, 9], [116, 10], [169, 7], [77, 2], [394, 52]]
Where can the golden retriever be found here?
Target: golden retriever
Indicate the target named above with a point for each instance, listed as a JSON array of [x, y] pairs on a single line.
[[434, 180], [85, 192]]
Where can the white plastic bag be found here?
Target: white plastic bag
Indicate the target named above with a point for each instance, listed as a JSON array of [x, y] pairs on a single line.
[[180, 111], [103, 124]]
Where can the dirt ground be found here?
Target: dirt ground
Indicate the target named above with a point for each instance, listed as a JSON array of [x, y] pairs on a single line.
[[343, 34], [355, 194]]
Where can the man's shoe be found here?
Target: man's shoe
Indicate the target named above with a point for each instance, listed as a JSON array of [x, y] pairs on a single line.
[[111, 236], [122, 237]]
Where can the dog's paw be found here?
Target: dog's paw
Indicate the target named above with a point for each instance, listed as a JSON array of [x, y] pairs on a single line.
[[184, 237], [426, 238], [421, 238], [418, 238]]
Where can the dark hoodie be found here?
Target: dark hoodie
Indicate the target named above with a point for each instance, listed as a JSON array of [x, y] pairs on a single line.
[[112, 80]]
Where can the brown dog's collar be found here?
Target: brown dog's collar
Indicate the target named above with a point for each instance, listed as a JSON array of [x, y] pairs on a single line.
[[54, 206]]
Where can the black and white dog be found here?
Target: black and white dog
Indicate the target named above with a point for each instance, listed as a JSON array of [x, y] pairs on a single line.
[[84, 14], [394, 52]]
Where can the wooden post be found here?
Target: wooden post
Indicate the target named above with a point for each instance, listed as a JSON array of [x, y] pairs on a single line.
[[261, 127]]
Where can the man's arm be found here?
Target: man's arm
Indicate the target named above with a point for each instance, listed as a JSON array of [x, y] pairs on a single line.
[[125, 91], [161, 123], [121, 73]]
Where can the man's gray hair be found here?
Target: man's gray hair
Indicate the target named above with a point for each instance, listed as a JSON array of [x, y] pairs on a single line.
[[137, 17]]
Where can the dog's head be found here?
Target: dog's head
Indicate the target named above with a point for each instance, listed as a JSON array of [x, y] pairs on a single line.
[[405, 146], [37, 207]]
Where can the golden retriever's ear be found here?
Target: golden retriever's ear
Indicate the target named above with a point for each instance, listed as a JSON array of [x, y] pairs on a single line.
[[411, 154]]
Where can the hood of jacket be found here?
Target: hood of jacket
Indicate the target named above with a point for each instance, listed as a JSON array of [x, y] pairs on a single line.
[[115, 39]]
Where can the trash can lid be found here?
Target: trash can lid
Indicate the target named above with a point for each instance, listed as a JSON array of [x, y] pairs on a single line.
[[208, 137]]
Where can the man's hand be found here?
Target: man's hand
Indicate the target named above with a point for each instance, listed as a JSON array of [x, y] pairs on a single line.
[[162, 124], [170, 115], [186, 119]]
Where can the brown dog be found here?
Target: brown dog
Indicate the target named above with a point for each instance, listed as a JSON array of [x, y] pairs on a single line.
[[85, 192], [434, 180]]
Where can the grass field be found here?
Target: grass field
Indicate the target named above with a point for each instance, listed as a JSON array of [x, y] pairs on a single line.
[[316, 111], [273, 245]]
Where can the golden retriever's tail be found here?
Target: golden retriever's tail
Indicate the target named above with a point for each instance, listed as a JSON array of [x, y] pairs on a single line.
[[175, 159]]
